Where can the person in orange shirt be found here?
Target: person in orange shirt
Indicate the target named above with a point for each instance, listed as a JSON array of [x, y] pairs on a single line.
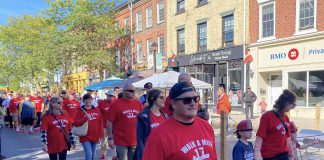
[[223, 103]]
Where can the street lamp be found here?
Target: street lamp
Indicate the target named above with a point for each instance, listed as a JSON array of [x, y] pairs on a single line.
[[154, 48]]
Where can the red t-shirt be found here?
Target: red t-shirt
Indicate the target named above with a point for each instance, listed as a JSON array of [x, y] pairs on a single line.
[[95, 128], [274, 134], [122, 114], [173, 140], [263, 105], [13, 105], [71, 107], [156, 120], [167, 105], [114, 99], [38, 101], [104, 106], [55, 137]]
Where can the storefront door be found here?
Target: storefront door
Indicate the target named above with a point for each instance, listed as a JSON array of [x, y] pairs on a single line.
[[275, 89]]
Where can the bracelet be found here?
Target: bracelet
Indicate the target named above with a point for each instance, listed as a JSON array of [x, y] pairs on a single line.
[[110, 138]]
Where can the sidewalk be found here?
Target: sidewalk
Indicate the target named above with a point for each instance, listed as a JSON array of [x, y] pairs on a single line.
[[235, 117]]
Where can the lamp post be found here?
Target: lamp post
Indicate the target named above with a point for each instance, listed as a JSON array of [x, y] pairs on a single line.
[[154, 48]]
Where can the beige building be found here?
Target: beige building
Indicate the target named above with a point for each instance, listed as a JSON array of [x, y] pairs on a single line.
[[208, 38]]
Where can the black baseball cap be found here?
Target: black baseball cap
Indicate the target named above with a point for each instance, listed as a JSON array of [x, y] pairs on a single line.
[[148, 85], [180, 88]]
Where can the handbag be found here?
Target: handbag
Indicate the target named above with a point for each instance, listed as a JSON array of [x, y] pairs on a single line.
[[83, 129], [66, 136]]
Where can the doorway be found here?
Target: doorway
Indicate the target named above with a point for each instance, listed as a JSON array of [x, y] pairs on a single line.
[[275, 89]]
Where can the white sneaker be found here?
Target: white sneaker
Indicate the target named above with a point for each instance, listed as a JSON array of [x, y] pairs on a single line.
[[18, 129]]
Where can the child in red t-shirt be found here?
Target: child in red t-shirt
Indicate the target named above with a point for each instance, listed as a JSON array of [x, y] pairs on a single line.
[[263, 105]]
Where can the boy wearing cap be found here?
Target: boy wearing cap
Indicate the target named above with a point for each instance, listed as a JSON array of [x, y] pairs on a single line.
[[143, 99], [243, 149], [184, 135]]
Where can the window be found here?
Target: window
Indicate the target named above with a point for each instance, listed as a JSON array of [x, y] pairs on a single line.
[[228, 30], [149, 18], [202, 36], [297, 82], [139, 53], [127, 53], [268, 22], [139, 22], [160, 12], [306, 17], [118, 58], [181, 41], [235, 81], [316, 88], [202, 2], [161, 45], [126, 28], [116, 25], [180, 6], [148, 46]]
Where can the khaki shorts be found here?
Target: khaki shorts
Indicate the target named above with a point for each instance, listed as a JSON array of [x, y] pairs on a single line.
[[14, 117]]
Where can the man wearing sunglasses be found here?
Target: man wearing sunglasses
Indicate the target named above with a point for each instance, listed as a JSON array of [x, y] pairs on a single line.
[[143, 99], [122, 119], [184, 135]]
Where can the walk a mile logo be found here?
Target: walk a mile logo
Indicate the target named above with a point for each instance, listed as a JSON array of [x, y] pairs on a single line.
[[292, 55]]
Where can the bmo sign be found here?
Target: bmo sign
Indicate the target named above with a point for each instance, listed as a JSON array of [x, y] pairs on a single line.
[[292, 55]]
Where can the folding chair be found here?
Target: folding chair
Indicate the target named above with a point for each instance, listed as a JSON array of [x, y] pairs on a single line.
[[307, 136]]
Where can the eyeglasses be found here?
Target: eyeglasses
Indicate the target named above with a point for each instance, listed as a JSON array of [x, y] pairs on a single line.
[[188, 100], [294, 105], [131, 91], [161, 97], [59, 102]]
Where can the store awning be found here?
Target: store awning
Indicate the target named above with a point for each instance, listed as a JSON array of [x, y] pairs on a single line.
[[111, 82]]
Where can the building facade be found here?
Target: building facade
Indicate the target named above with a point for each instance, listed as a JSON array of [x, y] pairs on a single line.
[[208, 38], [287, 38]]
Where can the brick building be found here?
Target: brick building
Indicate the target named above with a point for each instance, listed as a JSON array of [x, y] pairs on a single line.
[[145, 22], [287, 38], [208, 38]]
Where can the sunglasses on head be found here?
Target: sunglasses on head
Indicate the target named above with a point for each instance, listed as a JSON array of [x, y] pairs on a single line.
[[188, 100], [131, 91]]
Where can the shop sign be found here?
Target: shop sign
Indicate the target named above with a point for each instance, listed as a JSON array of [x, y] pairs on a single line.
[[211, 56], [292, 55]]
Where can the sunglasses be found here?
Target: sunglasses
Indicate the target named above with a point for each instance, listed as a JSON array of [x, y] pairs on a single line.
[[188, 100], [131, 91], [59, 102], [161, 97]]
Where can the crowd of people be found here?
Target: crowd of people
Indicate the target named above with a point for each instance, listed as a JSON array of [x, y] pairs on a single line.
[[154, 126]]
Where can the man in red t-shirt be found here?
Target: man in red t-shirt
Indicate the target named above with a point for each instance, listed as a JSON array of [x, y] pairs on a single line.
[[184, 135], [104, 106], [122, 123], [13, 105], [39, 106], [71, 105]]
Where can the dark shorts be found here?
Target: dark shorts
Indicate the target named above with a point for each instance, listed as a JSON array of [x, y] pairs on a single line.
[[27, 121], [282, 156]]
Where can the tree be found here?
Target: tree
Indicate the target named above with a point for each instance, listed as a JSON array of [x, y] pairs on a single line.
[[87, 26]]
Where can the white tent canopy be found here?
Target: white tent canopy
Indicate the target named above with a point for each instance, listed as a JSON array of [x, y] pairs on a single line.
[[168, 79]]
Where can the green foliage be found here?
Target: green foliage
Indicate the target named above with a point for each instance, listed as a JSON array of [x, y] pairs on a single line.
[[68, 34]]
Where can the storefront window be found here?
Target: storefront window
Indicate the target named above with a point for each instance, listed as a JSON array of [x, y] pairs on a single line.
[[235, 80], [209, 71], [297, 83], [222, 74], [199, 72], [316, 88]]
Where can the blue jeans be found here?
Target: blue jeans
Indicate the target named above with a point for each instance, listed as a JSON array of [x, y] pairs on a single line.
[[89, 150]]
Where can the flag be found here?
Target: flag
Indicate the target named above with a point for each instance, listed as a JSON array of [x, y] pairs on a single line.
[[172, 58], [248, 57]]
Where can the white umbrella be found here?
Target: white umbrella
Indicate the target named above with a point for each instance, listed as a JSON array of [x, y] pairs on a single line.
[[168, 79]]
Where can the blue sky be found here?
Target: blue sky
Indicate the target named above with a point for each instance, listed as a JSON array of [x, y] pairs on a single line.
[[20, 7]]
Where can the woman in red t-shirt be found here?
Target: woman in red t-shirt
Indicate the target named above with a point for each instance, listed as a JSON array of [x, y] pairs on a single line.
[[273, 139], [95, 126], [54, 141], [150, 118]]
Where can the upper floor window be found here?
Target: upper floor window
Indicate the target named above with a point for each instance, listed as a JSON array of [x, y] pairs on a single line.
[[160, 12], [148, 47], [127, 53], [202, 36], [139, 53], [117, 25], [306, 16], [149, 18], [228, 30], [118, 58], [139, 22], [161, 45], [126, 28], [181, 41], [180, 6], [267, 20], [202, 2]]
